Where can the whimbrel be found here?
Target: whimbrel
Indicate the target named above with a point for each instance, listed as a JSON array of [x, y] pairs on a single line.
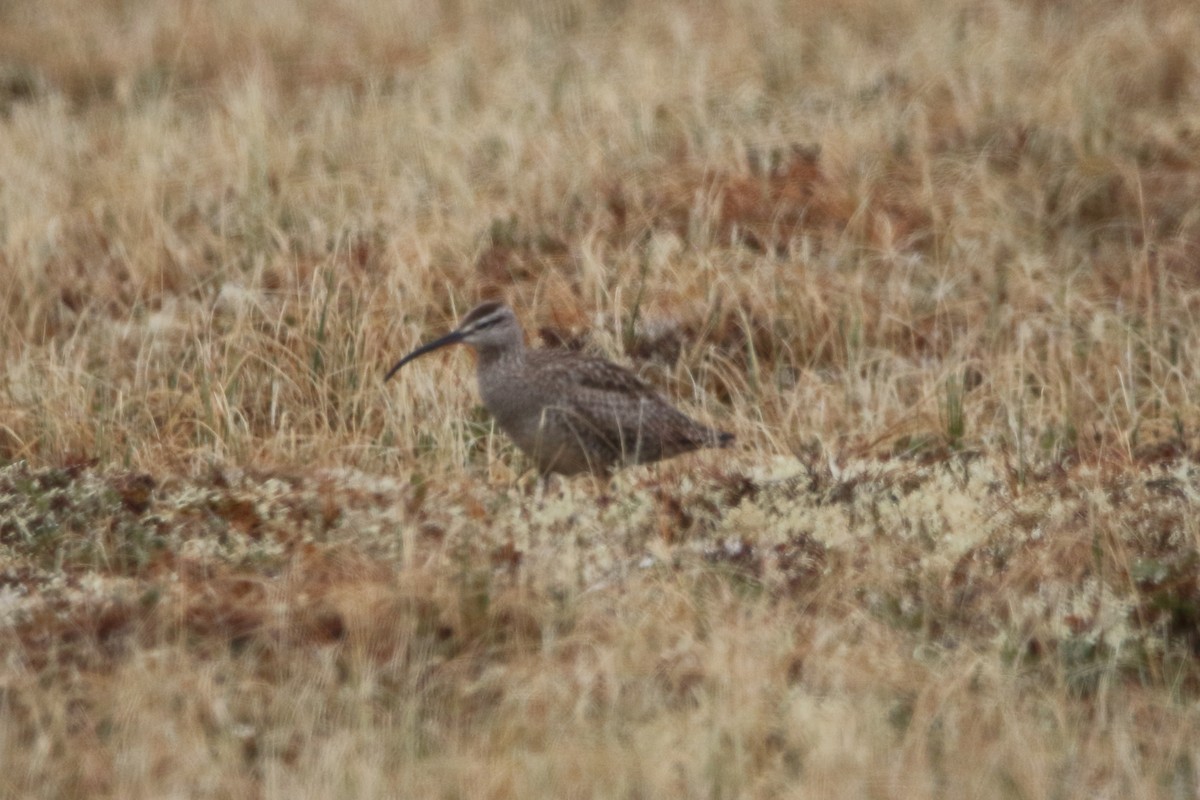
[[569, 412]]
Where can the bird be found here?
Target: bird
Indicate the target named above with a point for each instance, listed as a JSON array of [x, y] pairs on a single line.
[[570, 413]]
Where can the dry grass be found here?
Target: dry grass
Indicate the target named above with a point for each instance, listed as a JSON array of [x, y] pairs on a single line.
[[936, 264]]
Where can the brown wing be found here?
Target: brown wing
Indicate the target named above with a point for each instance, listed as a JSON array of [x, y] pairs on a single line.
[[605, 376], [617, 413], [571, 373]]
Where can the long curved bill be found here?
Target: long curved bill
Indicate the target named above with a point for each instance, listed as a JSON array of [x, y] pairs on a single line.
[[450, 338]]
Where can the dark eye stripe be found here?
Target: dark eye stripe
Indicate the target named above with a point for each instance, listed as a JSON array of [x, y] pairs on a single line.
[[479, 312], [486, 323]]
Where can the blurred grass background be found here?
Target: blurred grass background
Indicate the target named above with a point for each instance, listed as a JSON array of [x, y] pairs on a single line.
[[934, 263]]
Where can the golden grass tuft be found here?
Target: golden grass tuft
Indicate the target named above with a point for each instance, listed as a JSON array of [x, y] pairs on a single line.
[[935, 264]]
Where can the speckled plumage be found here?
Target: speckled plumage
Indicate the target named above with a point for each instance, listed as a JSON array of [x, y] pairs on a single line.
[[568, 412]]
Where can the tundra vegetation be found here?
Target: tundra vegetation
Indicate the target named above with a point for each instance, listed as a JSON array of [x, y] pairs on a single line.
[[936, 264]]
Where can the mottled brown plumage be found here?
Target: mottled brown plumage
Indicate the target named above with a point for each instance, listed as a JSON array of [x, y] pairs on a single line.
[[570, 413]]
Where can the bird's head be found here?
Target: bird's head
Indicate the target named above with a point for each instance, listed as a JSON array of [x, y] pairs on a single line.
[[489, 326]]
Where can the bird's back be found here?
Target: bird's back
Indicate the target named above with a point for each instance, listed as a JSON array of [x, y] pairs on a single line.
[[575, 413]]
